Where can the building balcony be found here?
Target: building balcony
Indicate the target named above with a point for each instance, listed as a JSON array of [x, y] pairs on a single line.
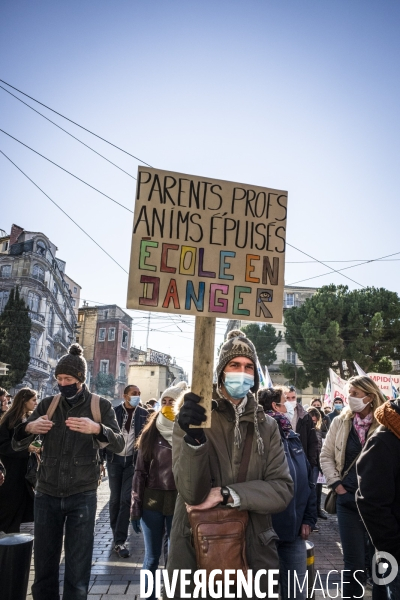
[[38, 277], [60, 343], [39, 365], [36, 317]]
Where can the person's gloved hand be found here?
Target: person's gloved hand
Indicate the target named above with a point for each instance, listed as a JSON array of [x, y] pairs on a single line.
[[192, 413], [136, 525]]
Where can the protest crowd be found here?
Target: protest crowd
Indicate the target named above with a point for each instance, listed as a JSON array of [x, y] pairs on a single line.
[[245, 493]]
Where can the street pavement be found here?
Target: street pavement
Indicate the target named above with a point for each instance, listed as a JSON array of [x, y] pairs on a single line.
[[113, 578]]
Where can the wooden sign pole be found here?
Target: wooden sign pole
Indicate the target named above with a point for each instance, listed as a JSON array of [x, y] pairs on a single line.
[[203, 362]]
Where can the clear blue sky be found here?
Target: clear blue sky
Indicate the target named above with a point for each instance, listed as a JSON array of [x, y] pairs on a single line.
[[301, 96]]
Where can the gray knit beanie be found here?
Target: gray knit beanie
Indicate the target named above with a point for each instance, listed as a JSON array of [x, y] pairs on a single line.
[[73, 363], [237, 344], [175, 391]]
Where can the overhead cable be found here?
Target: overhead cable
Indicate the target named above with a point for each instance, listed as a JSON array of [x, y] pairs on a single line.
[[322, 263], [67, 132], [75, 123], [63, 211], [345, 268], [65, 170]]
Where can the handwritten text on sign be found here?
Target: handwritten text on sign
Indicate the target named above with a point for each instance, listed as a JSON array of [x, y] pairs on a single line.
[[207, 247]]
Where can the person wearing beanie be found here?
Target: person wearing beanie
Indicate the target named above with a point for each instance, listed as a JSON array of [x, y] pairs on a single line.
[[206, 462], [131, 418], [153, 487], [295, 523], [68, 478], [378, 493]]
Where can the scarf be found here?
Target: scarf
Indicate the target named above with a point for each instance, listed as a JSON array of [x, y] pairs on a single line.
[[282, 420], [239, 410], [362, 426], [165, 427], [389, 417]]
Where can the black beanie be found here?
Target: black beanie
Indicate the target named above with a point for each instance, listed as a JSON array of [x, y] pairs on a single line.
[[73, 363]]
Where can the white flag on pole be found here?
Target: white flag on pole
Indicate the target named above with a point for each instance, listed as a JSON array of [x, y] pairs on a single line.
[[260, 374], [359, 370], [268, 379], [327, 396], [338, 387]]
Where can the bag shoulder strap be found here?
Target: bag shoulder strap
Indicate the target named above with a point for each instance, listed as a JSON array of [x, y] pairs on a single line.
[[53, 405], [244, 463], [95, 408], [351, 465]]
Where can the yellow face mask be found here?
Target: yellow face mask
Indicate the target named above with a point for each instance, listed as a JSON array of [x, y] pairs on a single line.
[[168, 412]]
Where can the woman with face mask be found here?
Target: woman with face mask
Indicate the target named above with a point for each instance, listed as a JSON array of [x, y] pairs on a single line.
[[295, 523], [343, 445], [153, 486], [16, 495]]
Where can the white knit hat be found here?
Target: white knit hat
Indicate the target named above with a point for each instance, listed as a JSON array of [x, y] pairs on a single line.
[[175, 391]]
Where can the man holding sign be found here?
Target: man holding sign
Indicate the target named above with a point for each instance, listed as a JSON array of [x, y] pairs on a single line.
[[208, 467]]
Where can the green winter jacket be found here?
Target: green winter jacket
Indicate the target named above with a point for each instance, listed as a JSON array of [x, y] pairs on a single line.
[[268, 487]]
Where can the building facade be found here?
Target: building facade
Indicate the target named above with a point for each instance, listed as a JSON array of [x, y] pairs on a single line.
[[75, 292], [153, 372], [28, 260], [104, 332]]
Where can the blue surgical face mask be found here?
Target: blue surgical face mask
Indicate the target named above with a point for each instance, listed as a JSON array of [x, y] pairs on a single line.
[[68, 391], [134, 401], [338, 406], [238, 384], [290, 406]]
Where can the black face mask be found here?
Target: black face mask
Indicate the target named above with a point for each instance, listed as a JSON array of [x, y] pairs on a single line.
[[68, 391]]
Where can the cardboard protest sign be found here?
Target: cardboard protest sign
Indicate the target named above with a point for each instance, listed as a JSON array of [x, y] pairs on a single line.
[[207, 247]]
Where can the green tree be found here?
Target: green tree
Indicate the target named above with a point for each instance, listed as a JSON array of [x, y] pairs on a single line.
[[105, 384], [15, 334], [265, 340], [296, 376], [337, 326]]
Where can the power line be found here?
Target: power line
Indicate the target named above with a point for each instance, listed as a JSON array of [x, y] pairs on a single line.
[[63, 211], [77, 124], [67, 132], [65, 170], [345, 268], [322, 263], [140, 160], [303, 262]]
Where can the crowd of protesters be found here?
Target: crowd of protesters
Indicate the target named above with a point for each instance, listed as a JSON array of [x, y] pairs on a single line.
[[245, 492]]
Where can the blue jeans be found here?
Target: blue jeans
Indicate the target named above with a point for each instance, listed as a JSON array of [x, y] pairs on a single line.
[[353, 536], [120, 474], [154, 524], [293, 558], [78, 514]]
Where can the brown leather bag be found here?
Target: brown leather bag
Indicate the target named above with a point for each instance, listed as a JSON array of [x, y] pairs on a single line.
[[219, 534]]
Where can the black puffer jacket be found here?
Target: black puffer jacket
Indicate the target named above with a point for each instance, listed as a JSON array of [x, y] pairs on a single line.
[[378, 494], [70, 460]]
